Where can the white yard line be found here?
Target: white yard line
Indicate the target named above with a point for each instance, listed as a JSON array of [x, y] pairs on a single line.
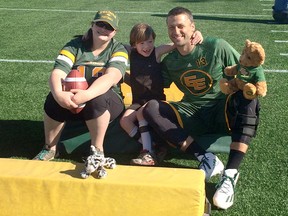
[[279, 31], [26, 61], [276, 71], [284, 54], [281, 41]]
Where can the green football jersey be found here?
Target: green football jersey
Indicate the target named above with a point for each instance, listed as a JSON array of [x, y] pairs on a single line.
[[198, 74], [74, 55]]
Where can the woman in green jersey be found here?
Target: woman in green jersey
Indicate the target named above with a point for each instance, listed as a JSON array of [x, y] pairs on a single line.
[[102, 61]]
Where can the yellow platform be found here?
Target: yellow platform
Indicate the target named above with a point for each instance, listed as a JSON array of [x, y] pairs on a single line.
[[40, 188]]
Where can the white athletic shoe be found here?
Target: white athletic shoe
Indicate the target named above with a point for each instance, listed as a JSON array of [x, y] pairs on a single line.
[[224, 195], [211, 165]]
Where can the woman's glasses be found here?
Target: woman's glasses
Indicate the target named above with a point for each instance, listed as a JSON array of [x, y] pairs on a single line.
[[104, 25]]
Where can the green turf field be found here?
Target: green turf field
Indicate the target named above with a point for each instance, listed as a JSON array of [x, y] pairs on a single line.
[[33, 31]]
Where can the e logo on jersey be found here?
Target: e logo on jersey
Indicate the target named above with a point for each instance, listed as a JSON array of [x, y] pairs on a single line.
[[196, 81]]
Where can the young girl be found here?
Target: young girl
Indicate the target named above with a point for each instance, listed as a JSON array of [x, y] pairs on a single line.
[[146, 84]]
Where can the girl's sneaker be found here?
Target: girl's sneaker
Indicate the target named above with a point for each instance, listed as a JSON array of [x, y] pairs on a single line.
[[46, 154], [145, 158]]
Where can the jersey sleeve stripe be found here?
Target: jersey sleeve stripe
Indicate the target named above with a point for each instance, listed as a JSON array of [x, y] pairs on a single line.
[[119, 59], [65, 59], [123, 54], [68, 54]]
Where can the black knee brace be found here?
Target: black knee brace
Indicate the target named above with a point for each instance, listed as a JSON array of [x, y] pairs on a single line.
[[244, 129], [245, 118], [246, 124]]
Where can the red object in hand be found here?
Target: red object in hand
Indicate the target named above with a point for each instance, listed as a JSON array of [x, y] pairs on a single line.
[[75, 80]]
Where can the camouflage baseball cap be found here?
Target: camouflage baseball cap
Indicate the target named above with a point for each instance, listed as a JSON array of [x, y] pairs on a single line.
[[107, 16]]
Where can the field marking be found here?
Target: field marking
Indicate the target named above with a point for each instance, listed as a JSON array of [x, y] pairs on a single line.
[[276, 71], [280, 41], [279, 31], [128, 12], [50, 62], [284, 54], [26, 61]]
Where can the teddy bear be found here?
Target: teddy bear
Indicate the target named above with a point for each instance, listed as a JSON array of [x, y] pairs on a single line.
[[248, 74], [97, 163]]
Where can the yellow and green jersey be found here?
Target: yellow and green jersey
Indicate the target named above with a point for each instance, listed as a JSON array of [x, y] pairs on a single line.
[[74, 55]]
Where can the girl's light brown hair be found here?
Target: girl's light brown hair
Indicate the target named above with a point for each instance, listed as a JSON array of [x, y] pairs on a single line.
[[141, 32]]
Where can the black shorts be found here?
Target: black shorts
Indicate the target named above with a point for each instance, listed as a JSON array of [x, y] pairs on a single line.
[[94, 108]]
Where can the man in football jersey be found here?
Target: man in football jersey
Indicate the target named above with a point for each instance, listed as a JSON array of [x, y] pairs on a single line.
[[196, 70], [102, 61]]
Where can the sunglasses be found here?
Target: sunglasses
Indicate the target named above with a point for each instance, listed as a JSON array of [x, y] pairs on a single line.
[[104, 25]]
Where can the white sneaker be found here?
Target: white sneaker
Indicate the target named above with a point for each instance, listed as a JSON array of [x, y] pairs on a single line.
[[224, 195], [211, 165]]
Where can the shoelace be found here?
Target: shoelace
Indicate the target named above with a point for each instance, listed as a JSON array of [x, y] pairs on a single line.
[[146, 156], [144, 153], [43, 152], [224, 184], [204, 162]]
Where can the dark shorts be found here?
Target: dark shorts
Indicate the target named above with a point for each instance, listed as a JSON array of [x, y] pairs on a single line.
[[196, 121], [220, 118], [94, 108]]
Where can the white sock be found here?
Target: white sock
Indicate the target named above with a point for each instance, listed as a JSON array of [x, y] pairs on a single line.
[[133, 131], [145, 136]]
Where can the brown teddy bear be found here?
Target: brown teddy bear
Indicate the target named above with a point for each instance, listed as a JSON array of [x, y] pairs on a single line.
[[248, 73]]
